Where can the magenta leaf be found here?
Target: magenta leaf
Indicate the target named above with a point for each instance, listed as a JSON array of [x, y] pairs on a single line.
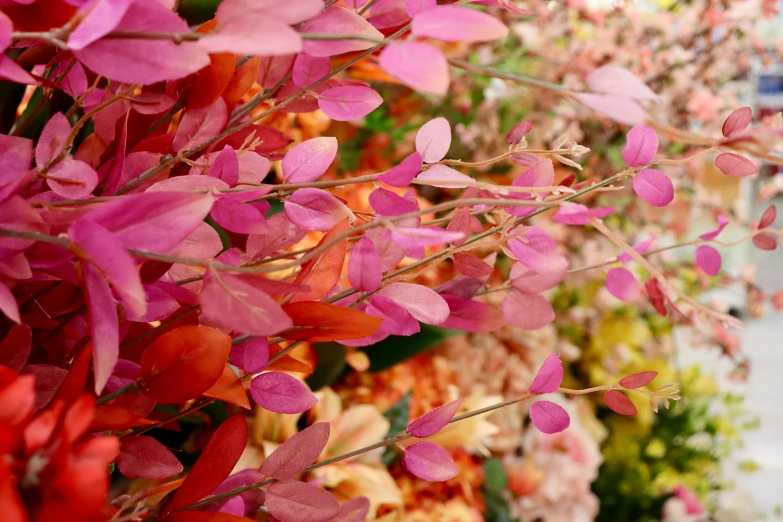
[[423, 303], [349, 102], [236, 216], [410, 237], [297, 453], [538, 251], [200, 125], [708, 259], [252, 355], [8, 304], [618, 108], [281, 393], [104, 326], [549, 417], [315, 209], [145, 457], [622, 284], [529, 281], [619, 403], [735, 165], [309, 69], [293, 501], [72, 179], [338, 21], [637, 380], [527, 311], [641, 248], [654, 187], [429, 462], [387, 203], [458, 24], [52, 140], [226, 166], [712, 234], [641, 146], [309, 160], [433, 140], [737, 121], [577, 214], [549, 376], [433, 421], [364, 266], [101, 20], [471, 315], [420, 66], [402, 174], [232, 301], [611, 79], [396, 319]]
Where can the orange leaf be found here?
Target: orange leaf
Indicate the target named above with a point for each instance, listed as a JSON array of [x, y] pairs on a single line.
[[323, 272], [184, 363], [241, 81], [288, 364], [209, 83], [321, 322], [113, 418], [229, 388]]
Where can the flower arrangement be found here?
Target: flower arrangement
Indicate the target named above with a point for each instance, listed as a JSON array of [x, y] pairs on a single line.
[[221, 250]]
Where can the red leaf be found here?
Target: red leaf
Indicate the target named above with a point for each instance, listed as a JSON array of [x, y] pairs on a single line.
[[323, 272], [297, 453], [737, 121], [321, 322], [184, 363], [15, 347], [619, 403], [203, 516], [768, 217], [637, 380], [229, 388], [765, 241], [215, 463], [655, 294], [471, 266], [145, 457], [292, 501]]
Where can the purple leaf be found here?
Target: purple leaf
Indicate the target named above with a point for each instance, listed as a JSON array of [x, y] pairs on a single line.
[[549, 377], [735, 165], [104, 326], [737, 121], [549, 417], [458, 24], [619, 403], [338, 21], [654, 187], [471, 316], [387, 203], [396, 319], [200, 125], [708, 259], [422, 302], [364, 266], [433, 421], [402, 174], [409, 237], [622, 284], [72, 179], [145, 457], [433, 140], [420, 66], [236, 216], [309, 160], [315, 209], [526, 311], [281, 393], [439, 175], [252, 355], [292, 501], [429, 462], [577, 214], [349, 102], [529, 281], [617, 108], [309, 69], [641, 146], [52, 140], [538, 251], [8, 304], [297, 453], [234, 303], [611, 79]]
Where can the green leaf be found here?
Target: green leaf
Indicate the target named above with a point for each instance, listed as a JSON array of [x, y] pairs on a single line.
[[398, 416], [330, 366], [275, 207], [396, 349], [197, 11], [495, 478]]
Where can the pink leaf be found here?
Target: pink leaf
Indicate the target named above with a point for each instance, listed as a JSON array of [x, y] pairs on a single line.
[[282, 234], [471, 266], [654, 187], [273, 69], [309, 160], [104, 326], [364, 266], [458, 24], [619, 403], [471, 315], [292, 501], [108, 253], [708, 260], [528, 281], [8, 304], [291, 12], [309, 69], [297, 453], [238, 217], [200, 125], [396, 319], [414, 7], [433, 140], [315, 209], [538, 251], [145, 457], [349, 102], [637, 380], [735, 165], [240, 35], [420, 66], [767, 219], [11, 71], [252, 355], [641, 248], [387, 203], [233, 302], [338, 21], [527, 311], [429, 462], [737, 121], [611, 79], [402, 174], [160, 305], [516, 134], [641, 146], [442, 176], [226, 166], [152, 102], [576, 214], [409, 237], [153, 221], [549, 377], [765, 241], [52, 140], [433, 421], [191, 183], [72, 179], [422, 302], [461, 222], [354, 510], [6, 31], [144, 61], [622, 284], [104, 17], [616, 108], [281, 393], [16, 345], [549, 417]]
